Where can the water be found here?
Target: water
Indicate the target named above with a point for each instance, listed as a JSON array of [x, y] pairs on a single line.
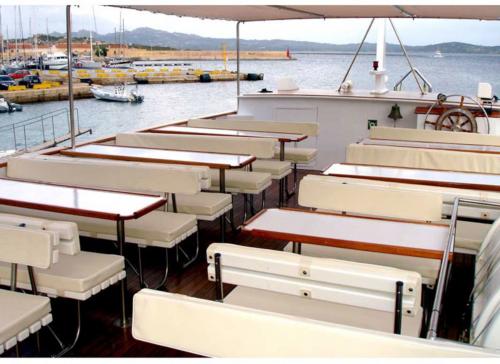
[[458, 74]]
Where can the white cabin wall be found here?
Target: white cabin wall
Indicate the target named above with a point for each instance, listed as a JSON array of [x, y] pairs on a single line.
[[342, 120]]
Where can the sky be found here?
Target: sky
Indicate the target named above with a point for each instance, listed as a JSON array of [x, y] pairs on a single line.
[[337, 31]]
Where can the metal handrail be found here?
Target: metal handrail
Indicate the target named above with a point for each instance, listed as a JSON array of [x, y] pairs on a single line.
[[427, 85], [446, 264], [38, 120]]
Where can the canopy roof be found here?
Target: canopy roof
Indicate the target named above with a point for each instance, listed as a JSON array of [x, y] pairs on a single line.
[[276, 12]]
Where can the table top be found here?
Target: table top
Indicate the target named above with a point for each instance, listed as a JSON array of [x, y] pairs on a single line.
[[432, 145], [282, 137], [100, 204], [467, 180], [154, 155], [351, 232]]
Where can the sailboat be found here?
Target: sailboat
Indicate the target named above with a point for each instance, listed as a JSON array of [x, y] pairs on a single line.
[[438, 54]]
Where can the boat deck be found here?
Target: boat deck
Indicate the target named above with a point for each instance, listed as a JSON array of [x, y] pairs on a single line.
[[99, 338]]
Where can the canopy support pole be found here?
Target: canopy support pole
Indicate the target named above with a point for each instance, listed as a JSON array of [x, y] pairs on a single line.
[[70, 76], [356, 54], [407, 58], [238, 65]]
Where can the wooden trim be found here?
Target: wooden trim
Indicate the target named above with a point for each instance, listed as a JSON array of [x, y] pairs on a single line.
[[299, 138], [439, 110], [75, 153], [348, 244]]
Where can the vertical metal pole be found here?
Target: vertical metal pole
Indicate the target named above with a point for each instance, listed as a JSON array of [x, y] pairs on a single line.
[[238, 65], [222, 189], [31, 274], [219, 289], [398, 310], [407, 58], [70, 75], [120, 234], [356, 54]]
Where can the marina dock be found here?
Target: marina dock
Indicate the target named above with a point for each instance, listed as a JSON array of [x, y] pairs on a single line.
[[80, 91]]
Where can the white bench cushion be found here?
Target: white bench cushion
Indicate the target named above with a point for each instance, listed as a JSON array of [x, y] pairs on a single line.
[[205, 205], [297, 155], [258, 147], [21, 315], [277, 169], [74, 276], [222, 330], [443, 160], [324, 192], [157, 228], [323, 311], [241, 181], [102, 173], [433, 136], [427, 268]]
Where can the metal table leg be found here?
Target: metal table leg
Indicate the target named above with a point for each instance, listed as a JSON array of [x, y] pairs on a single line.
[[124, 321], [222, 189], [281, 181]]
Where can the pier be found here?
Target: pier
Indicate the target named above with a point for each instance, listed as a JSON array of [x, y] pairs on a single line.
[[80, 91]]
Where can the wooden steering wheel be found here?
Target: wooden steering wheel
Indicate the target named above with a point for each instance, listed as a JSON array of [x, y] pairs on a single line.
[[456, 118]]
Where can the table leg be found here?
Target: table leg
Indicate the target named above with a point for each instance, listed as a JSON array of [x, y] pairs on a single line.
[[222, 189], [281, 182], [123, 322]]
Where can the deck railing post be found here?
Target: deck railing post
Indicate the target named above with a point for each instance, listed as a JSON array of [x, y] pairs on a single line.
[[238, 65], [70, 75]]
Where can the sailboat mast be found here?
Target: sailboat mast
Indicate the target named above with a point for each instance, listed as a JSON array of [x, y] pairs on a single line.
[[15, 31], [1, 34]]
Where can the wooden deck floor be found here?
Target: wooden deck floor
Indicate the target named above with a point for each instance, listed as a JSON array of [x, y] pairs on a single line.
[[100, 338]]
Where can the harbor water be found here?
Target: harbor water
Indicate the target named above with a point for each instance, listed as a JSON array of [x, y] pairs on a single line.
[[454, 73]]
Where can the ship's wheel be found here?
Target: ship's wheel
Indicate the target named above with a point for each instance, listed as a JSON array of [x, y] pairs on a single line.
[[456, 118]]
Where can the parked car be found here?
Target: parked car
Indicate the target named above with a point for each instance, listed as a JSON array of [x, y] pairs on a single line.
[[19, 74], [5, 82], [30, 80]]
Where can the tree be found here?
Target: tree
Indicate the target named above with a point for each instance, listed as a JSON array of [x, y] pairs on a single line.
[[101, 50]]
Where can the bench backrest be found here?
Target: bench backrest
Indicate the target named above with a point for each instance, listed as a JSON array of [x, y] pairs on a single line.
[[258, 147], [131, 176], [423, 158], [433, 136], [309, 129], [67, 232], [27, 246], [348, 283], [213, 329], [324, 192]]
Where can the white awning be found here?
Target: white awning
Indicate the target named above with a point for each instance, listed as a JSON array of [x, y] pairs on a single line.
[[279, 12]]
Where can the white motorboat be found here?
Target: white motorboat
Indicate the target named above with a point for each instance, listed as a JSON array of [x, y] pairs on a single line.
[[117, 94], [55, 61], [438, 54], [6, 106]]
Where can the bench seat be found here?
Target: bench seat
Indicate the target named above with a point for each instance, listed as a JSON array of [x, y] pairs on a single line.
[[21, 315], [241, 181], [77, 276], [205, 205], [298, 155], [158, 228], [321, 310], [277, 169]]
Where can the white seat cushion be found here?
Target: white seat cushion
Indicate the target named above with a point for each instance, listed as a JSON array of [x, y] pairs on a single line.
[[241, 181], [74, 276], [298, 155], [204, 205], [428, 268], [321, 310], [157, 228], [277, 169], [20, 315]]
